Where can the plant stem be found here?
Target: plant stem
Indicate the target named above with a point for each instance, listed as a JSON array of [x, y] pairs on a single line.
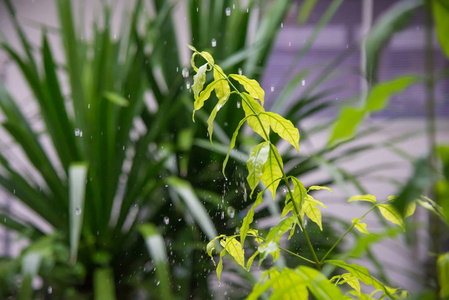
[[297, 255], [284, 176]]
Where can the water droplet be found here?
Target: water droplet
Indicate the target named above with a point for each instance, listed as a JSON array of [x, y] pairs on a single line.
[[88, 105], [247, 10], [177, 69], [231, 212], [77, 211], [222, 215], [240, 71], [228, 11], [272, 88], [188, 85], [77, 132], [197, 9], [303, 82], [185, 72], [115, 36], [282, 25], [166, 220], [49, 290], [214, 42], [233, 6], [157, 283], [238, 104]]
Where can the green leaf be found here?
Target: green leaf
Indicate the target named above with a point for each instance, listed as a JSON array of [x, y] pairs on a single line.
[[192, 48], [196, 207], [234, 248], [271, 244], [287, 208], [360, 226], [209, 59], [211, 246], [381, 93], [220, 264], [316, 187], [289, 285], [391, 214], [349, 279], [311, 210], [441, 17], [443, 274], [104, 284], [319, 285], [347, 123], [249, 217], [234, 138], [251, 86], [367, 198], [272, 170], [210, 121], [204, 96], [77, 189], [362, 274], [250, 260], [284, 128], [222, 89], [198, 81], [299, 195], [256, 162], [260, 125], [305, 10], [115, 98]]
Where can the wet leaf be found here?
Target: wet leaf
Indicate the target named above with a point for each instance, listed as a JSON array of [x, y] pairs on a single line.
[[249, 217], [272, 170], [234, 248], [255, 164], [260, 125], [284, 128], [222, 89], [204, 96], [367, 198], [198, 81], [251, 86]]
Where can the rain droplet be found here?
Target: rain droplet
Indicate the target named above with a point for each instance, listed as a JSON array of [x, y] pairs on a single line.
[[77, 132], [77, 211], [88, 105], [282, 25], [303, 82], [157, 283], [185, 72], [222, 215], [49, 290], [272, 88], [214, 42], [188, 85], [231, 212], [228, 11], [240, 71], [166, 220], [238, 104], [233, 6], [247, 10]]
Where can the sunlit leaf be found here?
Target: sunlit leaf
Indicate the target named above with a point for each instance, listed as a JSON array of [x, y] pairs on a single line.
[[299, 195], [368, 198], [251, 86], [287, 208], [210, 121], [316, 187], [211, 246], [311, 210], [360, 226], [289, 286], [204, 96], [273, 170], [260, 125], [250, 260], [222, 89], [319, 285], [347, 123], [234, 248], [271, 244], [391, 214], [192, 48], [220, 264], [256, 162], [284, 128], [349, 279], [198, 80], [249, 217]]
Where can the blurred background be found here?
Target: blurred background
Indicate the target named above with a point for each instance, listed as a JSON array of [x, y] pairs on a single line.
[[108, 188]]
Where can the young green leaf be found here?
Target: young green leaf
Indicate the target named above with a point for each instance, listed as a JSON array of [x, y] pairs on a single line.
[[272, 170], [360, 226], [261, 125], [284, 128], [211, 246], [234, 248], [319, 285], [311, 210], [251, 86], [222, 89], [368, 198], [287, 208], [362, 274], [234, 137], [317, 187], [348, 278], [299, 195], [289, 285], [209, 59], [198, 81], [192, 48], [220, 264], [250, 260], [204, 96], [391, 214], [271, 244], [210, 121], [256, 162], [249, 217]]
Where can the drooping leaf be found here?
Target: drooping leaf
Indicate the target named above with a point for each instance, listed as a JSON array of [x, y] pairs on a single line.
[[211, 246], [210, 121], [222, 89], [311, 210], [220, 264], [256, 162], [391, 214], [205, 55], [204, 96], [273, 170], [360, 226], [284, 128], [260, 125], [271, 244], [251, 86], [234, 248], [362, 274], [368, 198], [198, 81], [348, 278], [249, 217], [250, 260], [316, 187], [234, 138]]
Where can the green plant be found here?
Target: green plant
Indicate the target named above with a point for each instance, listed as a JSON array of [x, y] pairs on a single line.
[[265, 164]]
